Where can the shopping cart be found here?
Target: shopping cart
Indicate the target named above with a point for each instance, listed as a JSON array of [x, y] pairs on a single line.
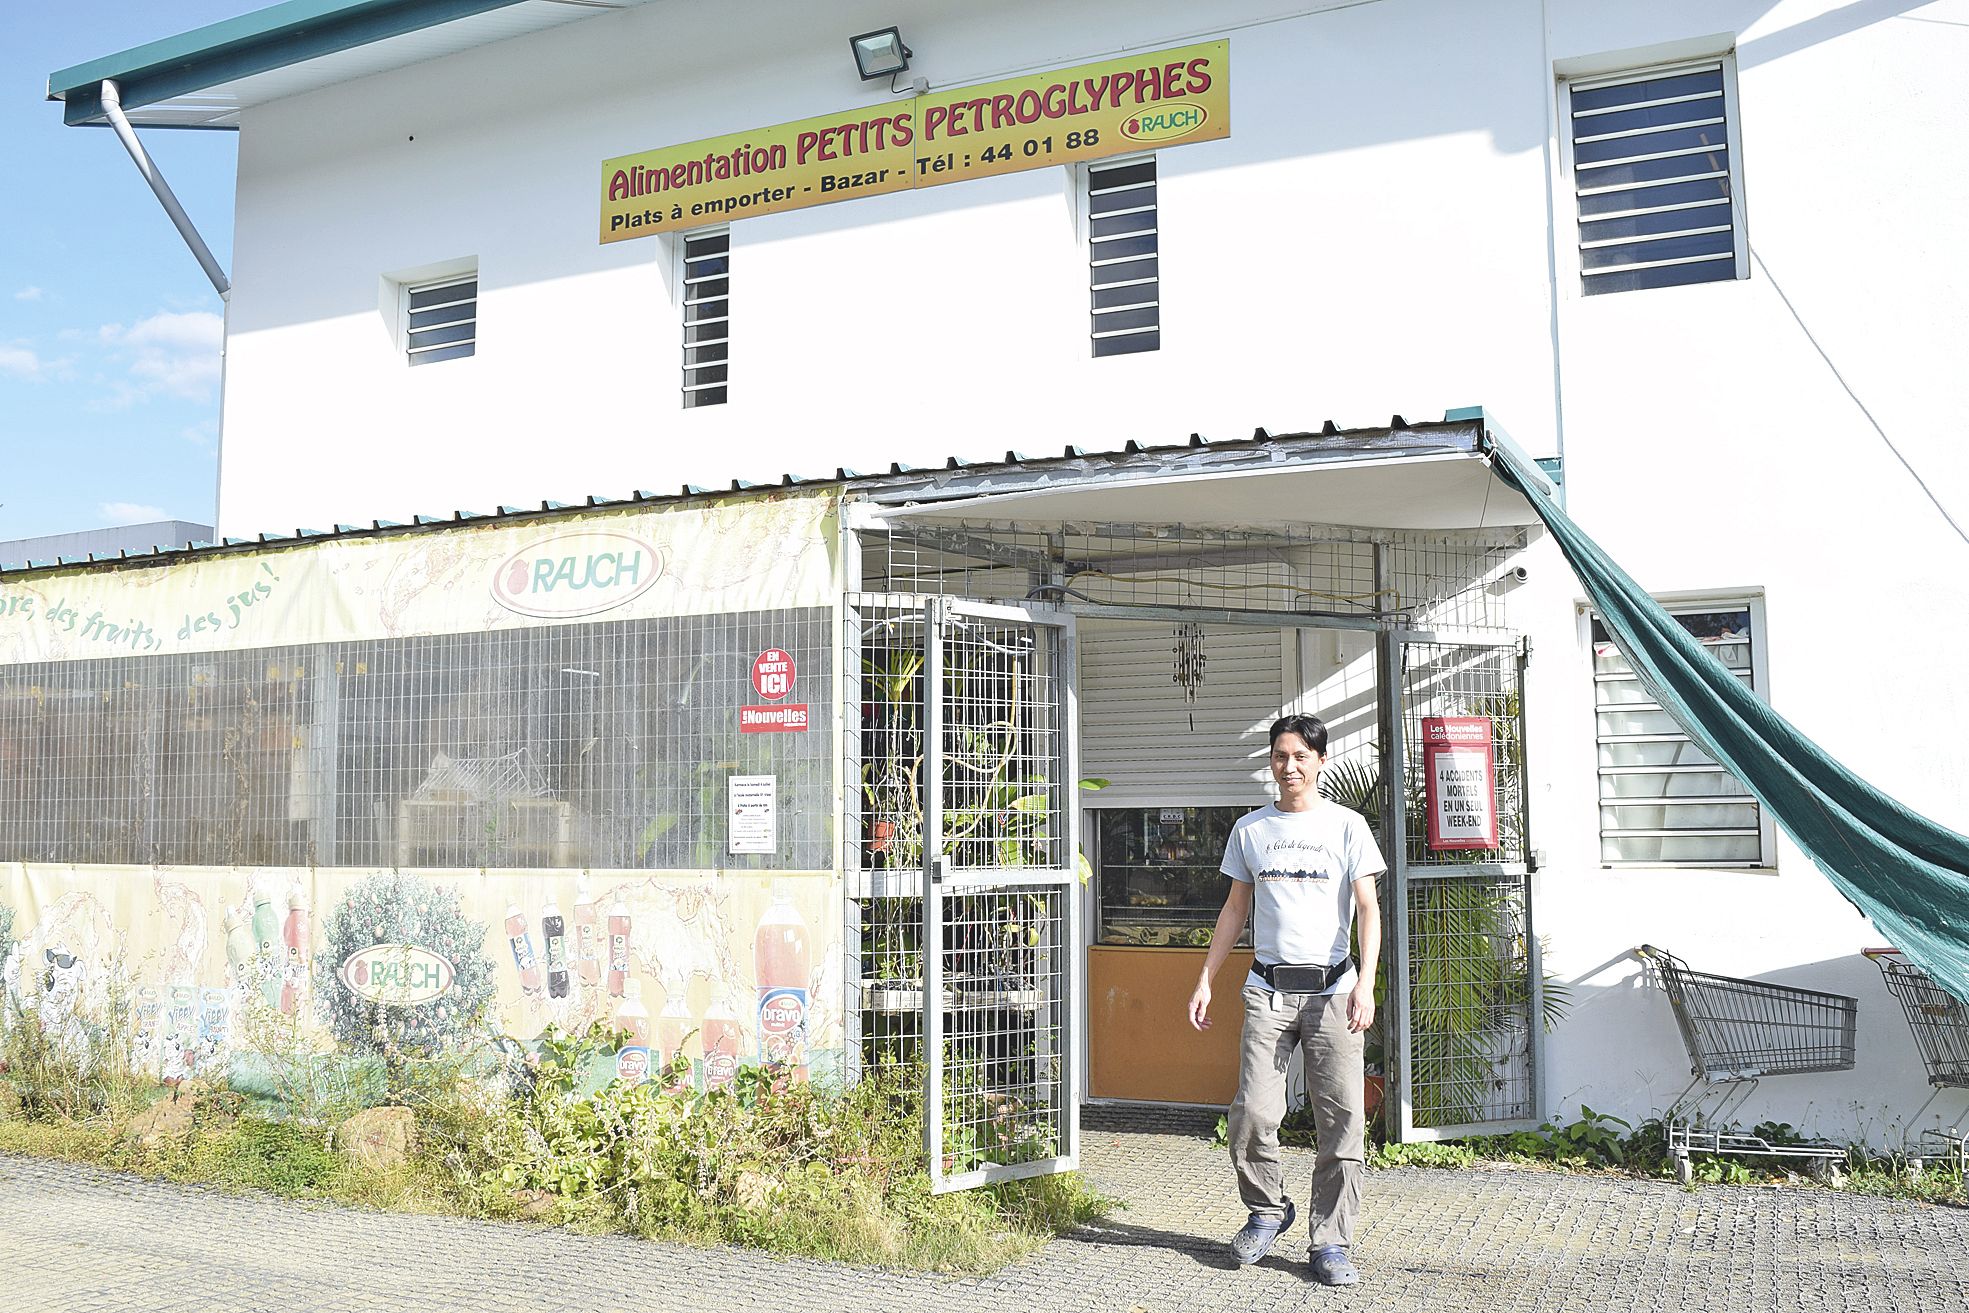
[[1738, 1032], [1940, 1023]]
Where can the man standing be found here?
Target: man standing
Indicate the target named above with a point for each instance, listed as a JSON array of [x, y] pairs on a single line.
[[1307, 867]]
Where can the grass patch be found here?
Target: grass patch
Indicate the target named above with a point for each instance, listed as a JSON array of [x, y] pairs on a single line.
[[787, 1168]]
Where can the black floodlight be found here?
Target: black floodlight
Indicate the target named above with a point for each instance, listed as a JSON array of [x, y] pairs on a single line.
[[880, 54]]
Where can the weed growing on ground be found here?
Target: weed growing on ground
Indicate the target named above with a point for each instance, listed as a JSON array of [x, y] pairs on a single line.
[[767, 1163]]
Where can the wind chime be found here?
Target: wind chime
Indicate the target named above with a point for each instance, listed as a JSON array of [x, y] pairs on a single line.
[[1190, 661]]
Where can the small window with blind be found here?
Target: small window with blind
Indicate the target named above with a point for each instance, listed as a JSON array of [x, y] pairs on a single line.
[[1657, 173], [1125, 281], [1663, 800], [707, 285], [441, 319]]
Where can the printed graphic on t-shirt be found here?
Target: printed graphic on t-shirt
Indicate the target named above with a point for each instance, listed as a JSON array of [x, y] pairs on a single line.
[[1297, 859]]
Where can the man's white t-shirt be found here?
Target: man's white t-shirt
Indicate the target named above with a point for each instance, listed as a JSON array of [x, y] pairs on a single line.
[[1302, 866]]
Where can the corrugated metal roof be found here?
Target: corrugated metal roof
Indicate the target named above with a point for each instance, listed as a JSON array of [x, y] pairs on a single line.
[[203, 78], [914, 482]]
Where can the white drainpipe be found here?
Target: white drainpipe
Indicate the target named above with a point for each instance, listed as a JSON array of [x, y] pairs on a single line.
[[113, 111]]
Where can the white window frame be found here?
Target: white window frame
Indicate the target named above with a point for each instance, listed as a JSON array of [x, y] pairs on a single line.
[[1565, 229], [394, 302], [1749, 600], [1084, 218], [679, 270]]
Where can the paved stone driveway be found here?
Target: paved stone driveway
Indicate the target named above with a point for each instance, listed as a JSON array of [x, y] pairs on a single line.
[[75, 1239]]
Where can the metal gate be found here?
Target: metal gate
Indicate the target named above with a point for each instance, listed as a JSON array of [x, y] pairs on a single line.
[[1466, 981], [963, 900]]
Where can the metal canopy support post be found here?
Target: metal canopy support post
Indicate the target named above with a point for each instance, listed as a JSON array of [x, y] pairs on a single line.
[[935, 866], [113, 111], [1388, 681]]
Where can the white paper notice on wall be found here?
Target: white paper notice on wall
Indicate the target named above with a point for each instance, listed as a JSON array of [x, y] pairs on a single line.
[[752, 813]]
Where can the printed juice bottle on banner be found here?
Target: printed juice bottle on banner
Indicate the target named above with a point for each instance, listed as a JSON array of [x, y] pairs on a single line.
[[181, 1024], [553, 935], [214, 1016], [587, 935], [295, 934], [671, 1025], [632, 1061], [149, 1007], [618, 947], [239, 947], [781, 961], [522, 944], [721, 1039], [266, 935]]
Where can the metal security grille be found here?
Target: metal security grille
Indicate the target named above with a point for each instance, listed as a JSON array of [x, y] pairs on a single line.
[[962, 920], [1467, 961], [707, 318], [1654, 168], [602, 745], [442, 320], [1123, 260], [1438, 579]]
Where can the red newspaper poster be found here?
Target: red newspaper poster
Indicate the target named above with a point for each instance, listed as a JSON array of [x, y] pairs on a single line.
[[1459, 771]]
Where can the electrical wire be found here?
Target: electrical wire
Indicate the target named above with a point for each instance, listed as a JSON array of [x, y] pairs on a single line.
[[1889, 442]]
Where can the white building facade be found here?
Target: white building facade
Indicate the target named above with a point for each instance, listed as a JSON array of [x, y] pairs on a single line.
[[1419, 206]]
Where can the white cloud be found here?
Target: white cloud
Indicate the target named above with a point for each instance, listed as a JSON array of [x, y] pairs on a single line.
[[29, 294], [21, 362], [130, 512], [171, 353], [203, 436]]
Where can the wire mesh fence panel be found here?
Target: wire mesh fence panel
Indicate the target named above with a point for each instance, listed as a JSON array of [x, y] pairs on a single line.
[[1000, 916], [601, 744], [1938, 1020], [1465, 681], [1004, 1044], [1471, 1011], [962, 764], [1472, 996], [884, 835], [1738, 1029], [1328, 572]]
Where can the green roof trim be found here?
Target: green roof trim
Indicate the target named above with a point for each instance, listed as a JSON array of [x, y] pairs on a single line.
[[259, 42]]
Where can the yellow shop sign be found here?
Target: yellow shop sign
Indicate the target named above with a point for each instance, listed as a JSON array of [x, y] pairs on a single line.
[[1084, 113]]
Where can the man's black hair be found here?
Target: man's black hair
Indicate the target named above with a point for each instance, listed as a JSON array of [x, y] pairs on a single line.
[[1310, 728]]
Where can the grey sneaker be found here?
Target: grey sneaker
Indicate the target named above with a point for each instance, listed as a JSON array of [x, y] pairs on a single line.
[[1332, 1267], [1256, 1237]]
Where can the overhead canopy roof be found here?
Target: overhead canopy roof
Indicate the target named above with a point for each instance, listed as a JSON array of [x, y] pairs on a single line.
[[1405, 477], [205, 77]]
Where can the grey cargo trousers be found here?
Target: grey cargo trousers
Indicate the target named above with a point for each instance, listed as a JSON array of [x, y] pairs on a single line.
[[1274, 1025]]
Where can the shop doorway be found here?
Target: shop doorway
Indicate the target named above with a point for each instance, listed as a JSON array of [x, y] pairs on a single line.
[[1392, 628]]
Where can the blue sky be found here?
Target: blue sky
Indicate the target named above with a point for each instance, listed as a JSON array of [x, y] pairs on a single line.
[[109, 332]]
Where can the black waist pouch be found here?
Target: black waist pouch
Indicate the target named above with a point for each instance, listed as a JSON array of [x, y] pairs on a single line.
[[1289, 979]]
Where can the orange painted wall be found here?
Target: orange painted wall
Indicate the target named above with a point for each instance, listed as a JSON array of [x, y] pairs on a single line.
[[1141, 1046]]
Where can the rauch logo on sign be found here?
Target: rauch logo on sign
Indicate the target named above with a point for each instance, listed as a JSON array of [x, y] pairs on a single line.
[[576, 574], [402, 975], [1165, 124]]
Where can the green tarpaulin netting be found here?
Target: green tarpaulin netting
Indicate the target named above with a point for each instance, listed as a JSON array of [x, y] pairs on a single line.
[[1910, 875]]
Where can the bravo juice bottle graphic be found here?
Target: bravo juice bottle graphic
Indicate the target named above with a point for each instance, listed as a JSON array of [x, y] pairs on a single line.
[[618, 947], [587, 936], [294, 934], [553, 934], [632, 1061], [266, 934], [522, 944], [671, 1023], [720, 1039], [781, 961]]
